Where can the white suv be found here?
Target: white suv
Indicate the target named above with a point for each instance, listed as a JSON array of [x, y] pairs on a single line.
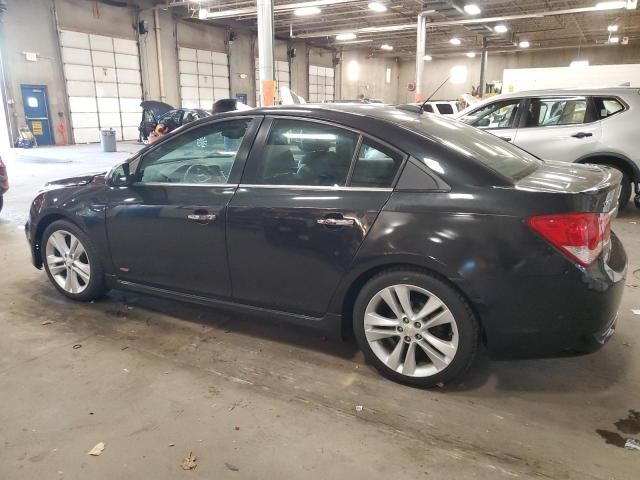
[[596, 125]]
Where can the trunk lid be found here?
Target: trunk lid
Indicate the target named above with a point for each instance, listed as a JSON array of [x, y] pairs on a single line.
[[600, 183]]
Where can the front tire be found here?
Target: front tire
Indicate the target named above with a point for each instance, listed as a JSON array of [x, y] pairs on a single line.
[[415, 328], [71, 262]]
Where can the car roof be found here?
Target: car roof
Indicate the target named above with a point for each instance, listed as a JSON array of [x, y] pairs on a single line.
[[571, 91], [346, 112]]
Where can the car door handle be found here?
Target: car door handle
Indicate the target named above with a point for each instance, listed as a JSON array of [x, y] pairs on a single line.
[[582, 134], [506, 139], [336, 222], [199, 217]]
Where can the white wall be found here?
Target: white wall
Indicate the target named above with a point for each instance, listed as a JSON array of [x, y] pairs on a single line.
[[438, 70], [362, 76]]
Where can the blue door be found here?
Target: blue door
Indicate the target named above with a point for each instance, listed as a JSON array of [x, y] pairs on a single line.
[[36, 111]]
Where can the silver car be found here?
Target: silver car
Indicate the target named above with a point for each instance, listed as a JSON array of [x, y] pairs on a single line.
[[595, 125]]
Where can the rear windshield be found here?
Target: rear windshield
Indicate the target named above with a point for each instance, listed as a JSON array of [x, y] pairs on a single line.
[[490, 150]]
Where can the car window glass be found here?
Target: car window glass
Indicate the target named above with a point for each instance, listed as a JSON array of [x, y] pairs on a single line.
[[376, 166], [544, 112], [203, 155], [495, 115], [306, 153], [445, 108], [428, 108], [482, 147], [608, 106], [148, 117]]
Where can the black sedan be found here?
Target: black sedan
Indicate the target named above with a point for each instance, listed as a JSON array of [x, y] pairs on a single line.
[[422, 236], [155, 113]]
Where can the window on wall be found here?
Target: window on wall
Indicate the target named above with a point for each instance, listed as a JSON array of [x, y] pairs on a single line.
[[204, 77], [321, 84], [281, 73]]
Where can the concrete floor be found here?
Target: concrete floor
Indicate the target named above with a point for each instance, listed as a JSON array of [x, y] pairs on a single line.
[[155, 380]]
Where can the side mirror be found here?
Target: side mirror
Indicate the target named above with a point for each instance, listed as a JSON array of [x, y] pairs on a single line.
[[120, 176]]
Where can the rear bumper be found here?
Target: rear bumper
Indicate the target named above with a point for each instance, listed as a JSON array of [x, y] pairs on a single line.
[[572, 309]]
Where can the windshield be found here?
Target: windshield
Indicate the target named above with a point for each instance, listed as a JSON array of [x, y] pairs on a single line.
[[493, 152]]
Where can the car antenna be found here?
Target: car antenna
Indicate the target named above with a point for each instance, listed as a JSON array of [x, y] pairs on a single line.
[[434, 92]]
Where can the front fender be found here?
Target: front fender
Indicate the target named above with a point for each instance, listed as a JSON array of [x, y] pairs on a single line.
[[84, 206]]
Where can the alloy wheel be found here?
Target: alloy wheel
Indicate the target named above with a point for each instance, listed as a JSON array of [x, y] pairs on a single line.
[[68, 262], [411, 330]]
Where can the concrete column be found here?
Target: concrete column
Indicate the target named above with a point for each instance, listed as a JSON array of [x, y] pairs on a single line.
[[421, 39], [156, 28], [265, 52], [483, 68]]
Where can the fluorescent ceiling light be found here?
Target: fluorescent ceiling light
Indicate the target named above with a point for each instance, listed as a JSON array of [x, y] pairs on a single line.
[[524, 44], [346, 36], [612, 28], [579, 63], [501, 28], [306, 11], [377, 7], [458, 74], [386, 47], [614, 39], [471, 54], [472, 9], [427, 58], [610, 5], [455, 41]]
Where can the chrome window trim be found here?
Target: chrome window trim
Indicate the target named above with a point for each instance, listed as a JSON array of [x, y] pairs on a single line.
[[318, 188], [178, 184]]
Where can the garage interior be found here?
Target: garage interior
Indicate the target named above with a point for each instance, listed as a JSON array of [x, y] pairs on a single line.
[[157, 380]]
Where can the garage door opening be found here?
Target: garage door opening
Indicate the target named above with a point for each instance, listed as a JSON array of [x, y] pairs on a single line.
[[103, 85]]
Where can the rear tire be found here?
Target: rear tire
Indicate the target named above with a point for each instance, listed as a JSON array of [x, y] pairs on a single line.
[[71, 262], [415, 328]]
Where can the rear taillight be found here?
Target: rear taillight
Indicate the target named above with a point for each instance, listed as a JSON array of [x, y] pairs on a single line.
[[581, 236]]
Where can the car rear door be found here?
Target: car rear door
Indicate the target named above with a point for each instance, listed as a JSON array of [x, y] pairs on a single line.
[[499, 117], [167, 228], [563, 128], [310, 193]]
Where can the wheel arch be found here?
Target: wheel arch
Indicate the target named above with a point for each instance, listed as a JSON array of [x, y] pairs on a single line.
[[347, 300], [41, 226], [616, 160]]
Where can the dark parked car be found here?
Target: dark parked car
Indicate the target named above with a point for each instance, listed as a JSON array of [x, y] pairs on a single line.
[[421, 234], [4, 182], [154, 113]]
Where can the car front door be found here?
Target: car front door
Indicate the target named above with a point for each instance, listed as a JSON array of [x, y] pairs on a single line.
[[562, 128], [499, 117], [310, 193], [166, 228]]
